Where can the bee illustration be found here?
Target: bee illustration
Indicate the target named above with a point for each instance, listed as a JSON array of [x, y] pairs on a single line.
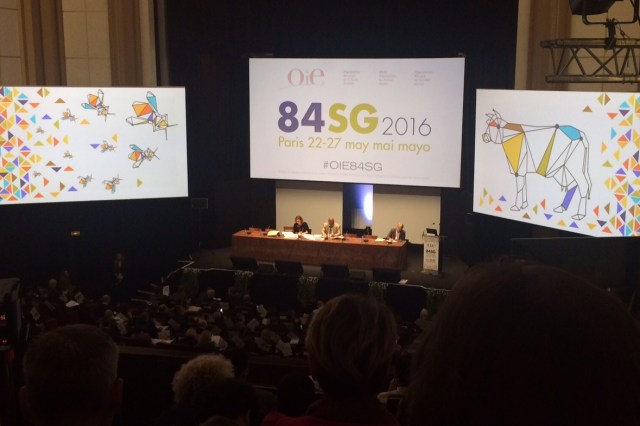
[[39, 130], [147, 113], [138, 155], [106, 146], [66, 115], [96, 103], [84, 180], [111, 184], [36, 174], [67, 154]]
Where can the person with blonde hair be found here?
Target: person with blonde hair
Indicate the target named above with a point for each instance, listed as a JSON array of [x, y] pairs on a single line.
[[350, 344]]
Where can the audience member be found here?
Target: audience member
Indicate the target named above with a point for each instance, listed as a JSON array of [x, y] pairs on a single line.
[[296, 391], [424, 319], [199, 372], [397, 233], [350, 344], [300, 226], [118, 283], [331, 229], [192, 377], [70, 376], [527, 345]]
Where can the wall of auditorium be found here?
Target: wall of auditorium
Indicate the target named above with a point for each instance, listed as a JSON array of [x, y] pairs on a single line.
[[10, 56]]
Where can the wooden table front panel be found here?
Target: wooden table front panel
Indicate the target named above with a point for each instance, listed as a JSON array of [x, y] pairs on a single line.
[[353, 252]]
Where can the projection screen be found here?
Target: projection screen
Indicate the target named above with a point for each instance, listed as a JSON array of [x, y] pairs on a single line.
[[565, 160], [62, 144], [378, 121]]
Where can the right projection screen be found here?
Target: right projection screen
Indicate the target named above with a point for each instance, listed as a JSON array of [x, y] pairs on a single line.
[[565, 160]]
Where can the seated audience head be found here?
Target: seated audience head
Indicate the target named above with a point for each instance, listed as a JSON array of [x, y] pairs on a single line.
[[70, 377], [527, 345], [198, 373], [350, 345]]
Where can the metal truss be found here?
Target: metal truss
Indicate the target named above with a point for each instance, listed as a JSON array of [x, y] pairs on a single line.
[[594, 60]]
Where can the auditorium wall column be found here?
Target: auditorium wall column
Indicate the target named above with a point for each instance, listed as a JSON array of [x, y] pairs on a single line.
[[42, 42], [125, 45], [539, 20]]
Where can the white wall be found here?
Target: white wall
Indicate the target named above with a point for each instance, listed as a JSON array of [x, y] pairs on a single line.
[[416, 207]]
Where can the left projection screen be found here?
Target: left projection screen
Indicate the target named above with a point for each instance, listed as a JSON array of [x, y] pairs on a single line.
[[65, 144]]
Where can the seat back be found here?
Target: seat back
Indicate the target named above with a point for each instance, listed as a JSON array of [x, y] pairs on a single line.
[[287, 267], [386, 275], [244, 263], [406, 301], [274, 291], [330, 270]]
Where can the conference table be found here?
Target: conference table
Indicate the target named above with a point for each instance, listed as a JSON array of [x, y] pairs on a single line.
[[357, 253]]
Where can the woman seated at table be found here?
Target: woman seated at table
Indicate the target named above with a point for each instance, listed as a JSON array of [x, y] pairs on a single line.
[[300, 226]]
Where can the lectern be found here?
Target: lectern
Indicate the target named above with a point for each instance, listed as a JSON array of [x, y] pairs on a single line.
[[431, 263]]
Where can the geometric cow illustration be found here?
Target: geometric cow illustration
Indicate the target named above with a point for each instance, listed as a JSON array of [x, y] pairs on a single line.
[[557, 151]]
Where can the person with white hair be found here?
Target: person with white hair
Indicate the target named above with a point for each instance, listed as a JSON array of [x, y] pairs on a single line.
[[193, 377]]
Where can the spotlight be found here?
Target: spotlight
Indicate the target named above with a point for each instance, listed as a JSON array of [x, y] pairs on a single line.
[[590, 7]]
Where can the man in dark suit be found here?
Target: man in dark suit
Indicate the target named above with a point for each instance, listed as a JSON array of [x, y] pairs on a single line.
[[397, 233]]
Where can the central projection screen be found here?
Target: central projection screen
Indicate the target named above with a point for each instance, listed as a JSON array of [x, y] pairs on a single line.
[[376, 121]]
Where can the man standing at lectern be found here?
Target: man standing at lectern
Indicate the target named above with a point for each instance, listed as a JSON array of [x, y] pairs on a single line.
[[331, 229]]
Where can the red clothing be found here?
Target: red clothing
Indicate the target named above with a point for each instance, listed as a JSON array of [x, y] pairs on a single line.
[[326, 412]]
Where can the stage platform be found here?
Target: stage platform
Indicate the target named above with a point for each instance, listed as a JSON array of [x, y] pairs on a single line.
[[452, 268]]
